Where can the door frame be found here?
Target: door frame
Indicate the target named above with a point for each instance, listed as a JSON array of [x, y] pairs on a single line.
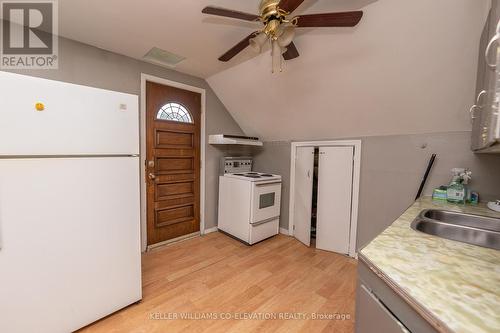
[[356, 144], [143, 133]]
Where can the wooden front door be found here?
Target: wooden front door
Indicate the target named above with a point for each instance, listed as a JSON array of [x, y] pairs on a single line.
[[173, 162]]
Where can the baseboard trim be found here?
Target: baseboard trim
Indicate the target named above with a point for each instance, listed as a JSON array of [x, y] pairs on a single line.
[[172, 241], [209, 230], [284, 231]]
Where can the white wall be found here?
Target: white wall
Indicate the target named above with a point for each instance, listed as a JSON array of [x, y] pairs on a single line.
[[409, 67]]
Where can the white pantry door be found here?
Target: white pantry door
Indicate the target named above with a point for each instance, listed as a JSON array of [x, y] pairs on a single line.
[[334, 198], [304, 168]]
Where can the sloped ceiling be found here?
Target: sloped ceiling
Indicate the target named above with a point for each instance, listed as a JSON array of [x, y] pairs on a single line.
[[408, 67]]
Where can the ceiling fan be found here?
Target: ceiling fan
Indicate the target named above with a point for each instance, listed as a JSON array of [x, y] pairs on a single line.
[[279, 28]]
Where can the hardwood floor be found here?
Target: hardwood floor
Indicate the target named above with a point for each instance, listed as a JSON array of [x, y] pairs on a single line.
[[215, 275]]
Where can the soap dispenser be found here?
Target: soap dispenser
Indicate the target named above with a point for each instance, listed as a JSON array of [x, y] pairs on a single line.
[[456, 190], [466, 177]]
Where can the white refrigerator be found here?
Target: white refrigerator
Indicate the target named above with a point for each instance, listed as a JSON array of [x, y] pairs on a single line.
[[69, 204]]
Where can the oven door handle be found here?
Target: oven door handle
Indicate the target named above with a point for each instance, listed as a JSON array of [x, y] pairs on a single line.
[[265, 184], [265, 221]]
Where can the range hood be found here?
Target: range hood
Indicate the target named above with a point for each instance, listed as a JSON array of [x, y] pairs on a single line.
[[225, 139]]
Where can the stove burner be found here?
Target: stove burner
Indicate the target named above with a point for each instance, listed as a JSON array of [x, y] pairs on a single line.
[[253, 175]]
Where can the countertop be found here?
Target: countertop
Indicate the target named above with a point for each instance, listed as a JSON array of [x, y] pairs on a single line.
[[455, 286]]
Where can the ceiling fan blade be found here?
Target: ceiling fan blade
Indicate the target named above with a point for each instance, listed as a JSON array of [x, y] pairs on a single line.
[[291, 52], [346, 19], [237, 48], [230, 13], [289, 5]]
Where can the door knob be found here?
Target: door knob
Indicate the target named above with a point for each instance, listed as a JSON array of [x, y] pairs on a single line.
[[152, 176]]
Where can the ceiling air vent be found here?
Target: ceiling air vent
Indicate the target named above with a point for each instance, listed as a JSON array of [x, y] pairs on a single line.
[[163, 58]]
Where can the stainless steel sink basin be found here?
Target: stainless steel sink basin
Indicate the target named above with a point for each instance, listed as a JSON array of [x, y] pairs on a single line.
[[467, 228]]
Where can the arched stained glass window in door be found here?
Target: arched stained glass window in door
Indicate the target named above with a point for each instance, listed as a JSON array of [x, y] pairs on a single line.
[[174, 112]]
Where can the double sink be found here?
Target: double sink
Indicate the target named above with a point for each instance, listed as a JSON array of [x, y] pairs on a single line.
[[467, 228]]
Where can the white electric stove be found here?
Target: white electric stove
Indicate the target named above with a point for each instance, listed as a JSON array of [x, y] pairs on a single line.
[[249, 202]]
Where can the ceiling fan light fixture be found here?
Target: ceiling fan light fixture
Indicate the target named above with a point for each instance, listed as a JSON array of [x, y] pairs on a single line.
[[287, 33], [258, 42]]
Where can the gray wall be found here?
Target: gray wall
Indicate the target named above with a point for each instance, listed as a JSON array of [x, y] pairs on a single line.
[[83, 64], [274, 158], [391, 171]]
